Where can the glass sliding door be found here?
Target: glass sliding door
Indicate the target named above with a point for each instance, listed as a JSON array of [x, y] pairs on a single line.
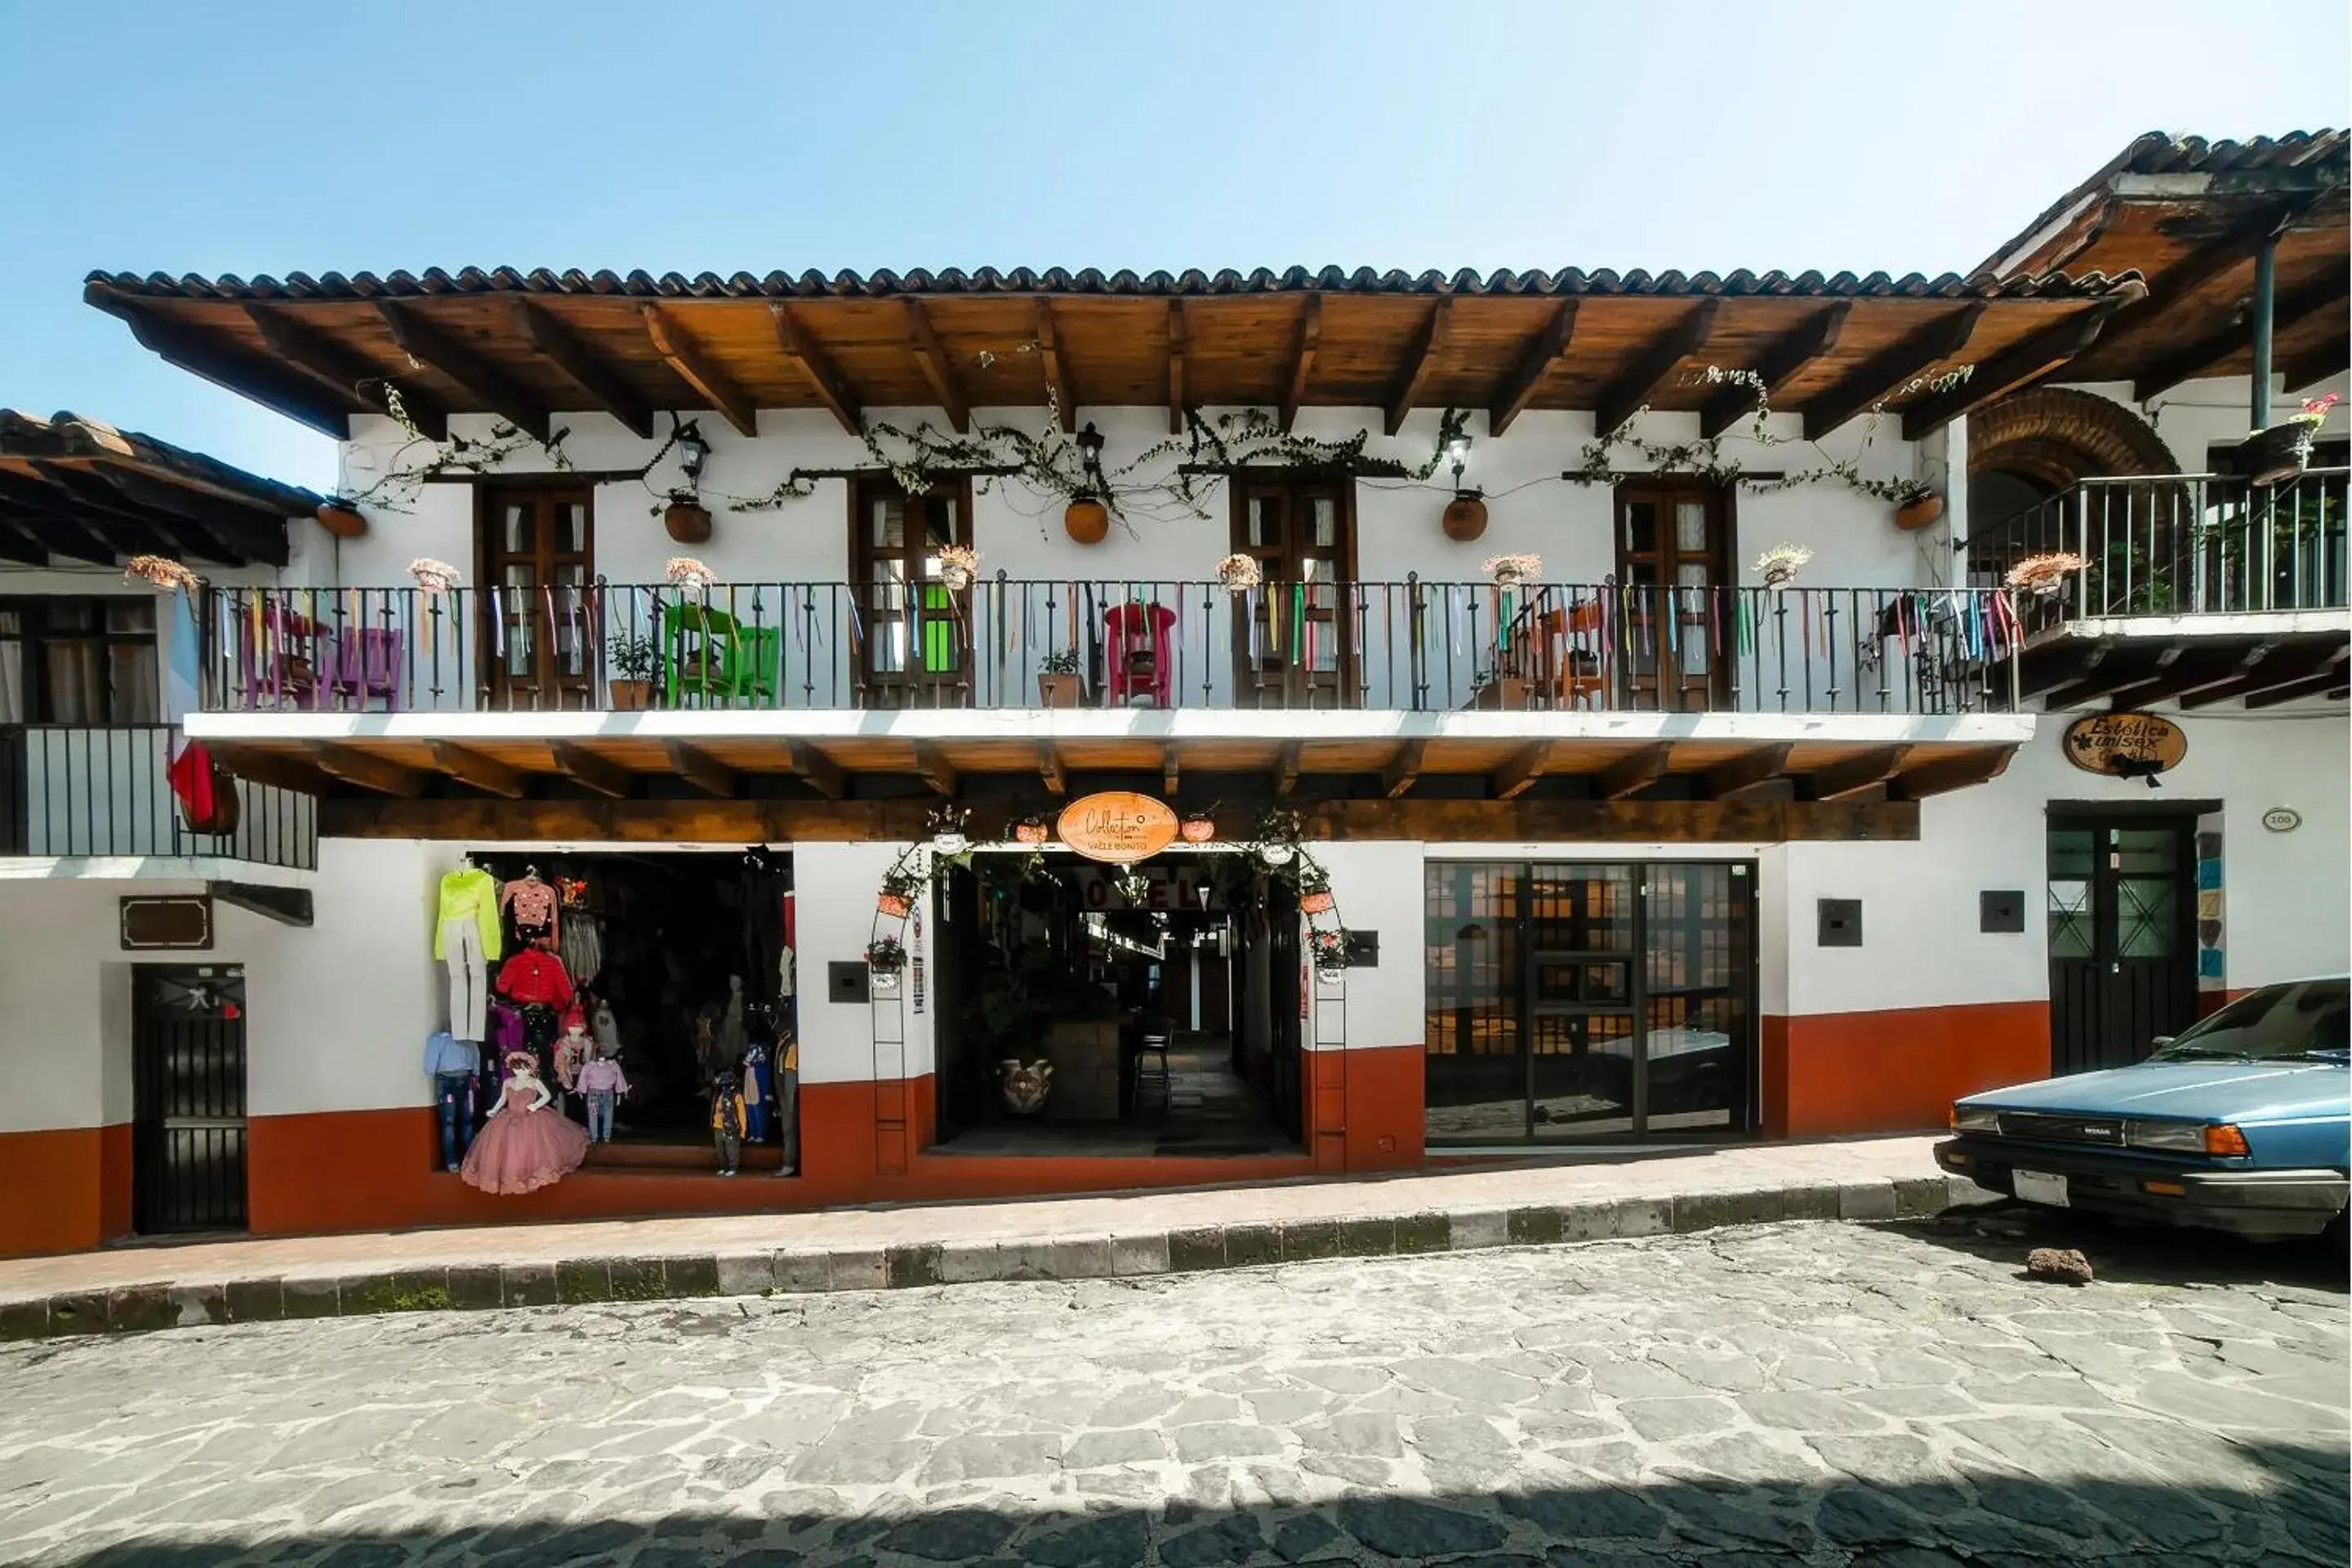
[[1570, 1001]]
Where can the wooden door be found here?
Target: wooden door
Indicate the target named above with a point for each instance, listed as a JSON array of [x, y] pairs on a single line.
[[2122, 940], [915, 646], [1675, 554], [537, 616], [1295, 637]]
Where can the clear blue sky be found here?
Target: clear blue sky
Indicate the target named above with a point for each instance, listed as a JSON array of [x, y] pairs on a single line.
[[254, 138]]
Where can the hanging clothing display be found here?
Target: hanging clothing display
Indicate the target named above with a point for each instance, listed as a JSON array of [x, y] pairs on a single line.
[[582, 947], [524, 1145], [533, 976], [465, 936], [533, 904]]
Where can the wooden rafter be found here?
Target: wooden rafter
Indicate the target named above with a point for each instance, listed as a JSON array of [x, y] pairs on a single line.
[[816, 770], [17, 544], [2145, 318], [2316, 362], [57, 535], [2184, 671], [428, 343], [703, 770], [1177, 348], [1285, 768], [2104, 670], [1049, 768], [1302, 358], [1889, 371], [70, 495], [2318, 684], [1057, 374], [1518, 775], [2013, 367], [1631, 392], [1421, 363], [245, 526], [1169, 772], [1783, 359], [297, 396], [1518, 389], [471, 768], [369, 771], [581, 365], [334, 366], [694, 367], [595, 771], [1750, 771], [1403, 768], [937, 368], [1850, 777], [818, 367], [2288, 310], [1939, 775], [1634, 771], [935, 769], [2277, 666], [272, 769]]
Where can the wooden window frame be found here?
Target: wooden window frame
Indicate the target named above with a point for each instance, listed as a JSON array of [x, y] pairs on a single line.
[[39, 638], [539, 490], [901, 688], [1290, 683], [1722, 561]]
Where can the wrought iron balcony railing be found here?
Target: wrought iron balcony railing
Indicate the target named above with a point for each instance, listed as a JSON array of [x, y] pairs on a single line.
[[1002, 643], [72, 791]]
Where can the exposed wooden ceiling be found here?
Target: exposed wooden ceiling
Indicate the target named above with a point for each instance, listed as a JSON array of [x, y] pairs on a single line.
[[532, 347], [75, 490]]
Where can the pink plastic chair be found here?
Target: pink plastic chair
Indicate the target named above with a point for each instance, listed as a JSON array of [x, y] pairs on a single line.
[[363, 664], [1141, 652]]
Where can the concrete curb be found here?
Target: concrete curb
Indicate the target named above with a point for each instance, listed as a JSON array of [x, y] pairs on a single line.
[[140, 1308]]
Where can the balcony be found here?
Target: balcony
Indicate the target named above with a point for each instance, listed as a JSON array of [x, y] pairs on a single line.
[[2197, 588], [101, 798], [1012, 644]]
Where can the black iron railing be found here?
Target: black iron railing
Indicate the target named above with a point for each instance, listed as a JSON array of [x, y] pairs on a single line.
[[107, 790], [2186, 546], [1005, 643]]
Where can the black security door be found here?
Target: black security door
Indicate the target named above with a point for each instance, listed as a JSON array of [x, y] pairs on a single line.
[[2122, 943], [187, 1098]]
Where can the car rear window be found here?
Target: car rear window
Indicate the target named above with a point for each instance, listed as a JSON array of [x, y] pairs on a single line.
[[2302, 1019]]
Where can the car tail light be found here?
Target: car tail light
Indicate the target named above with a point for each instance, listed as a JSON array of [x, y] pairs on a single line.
[[2225, 1139]]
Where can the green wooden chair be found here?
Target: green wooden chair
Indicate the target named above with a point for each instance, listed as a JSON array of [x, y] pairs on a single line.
[[708, 655]]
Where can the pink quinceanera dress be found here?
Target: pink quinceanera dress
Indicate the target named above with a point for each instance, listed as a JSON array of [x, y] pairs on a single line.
[[524, 1148]]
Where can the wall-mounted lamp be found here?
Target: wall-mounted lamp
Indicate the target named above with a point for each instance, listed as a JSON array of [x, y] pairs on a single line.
[[693, 451], [1458, 452], [1090, 442]]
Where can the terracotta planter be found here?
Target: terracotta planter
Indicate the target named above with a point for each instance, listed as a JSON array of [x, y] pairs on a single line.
[[1465, 517], [896, 905], [1029, 832], [631, 696], [689, 521], [1919, 511], [1196, 830], [2278, 453], [1056, 689], [1316, 903], [1087, 521], [343, 522]]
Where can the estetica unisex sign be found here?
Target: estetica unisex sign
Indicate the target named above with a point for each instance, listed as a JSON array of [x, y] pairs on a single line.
[[2126, 745]]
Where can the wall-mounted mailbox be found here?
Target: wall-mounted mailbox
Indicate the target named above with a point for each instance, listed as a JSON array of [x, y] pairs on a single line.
[[1363, 949], [845, 981], [1840, 922], [2001, 910]]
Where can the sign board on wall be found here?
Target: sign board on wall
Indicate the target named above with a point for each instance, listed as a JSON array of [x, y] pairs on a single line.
[[2125, 745], [180, 922], [1117, 827]]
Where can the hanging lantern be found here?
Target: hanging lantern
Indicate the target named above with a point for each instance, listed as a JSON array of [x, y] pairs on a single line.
[[1087, 521], [1465, 517]]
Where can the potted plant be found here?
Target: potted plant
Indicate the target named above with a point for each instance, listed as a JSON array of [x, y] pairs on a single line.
[[896, 897], [884, 957], [958, 564], [1057, 679], [950, 833], [685, 572], [1314, 888], [1916, 505], [2282, 452], [687, 519], [1779, 566], [163, 573], [432, 576], [1240, 573], [1198, 827], [1330, 950], [2044, 576], [1031, 830], [1511, 571], [632, 660]]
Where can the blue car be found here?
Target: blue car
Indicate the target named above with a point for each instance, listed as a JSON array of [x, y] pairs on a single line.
[[2243, 1123]]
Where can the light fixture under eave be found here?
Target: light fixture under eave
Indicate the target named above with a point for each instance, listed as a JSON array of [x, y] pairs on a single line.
[[1458, 451], [1090, 442], [693, 451]]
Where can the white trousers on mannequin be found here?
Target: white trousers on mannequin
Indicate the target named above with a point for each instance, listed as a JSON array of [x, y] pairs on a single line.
[[469, 979]]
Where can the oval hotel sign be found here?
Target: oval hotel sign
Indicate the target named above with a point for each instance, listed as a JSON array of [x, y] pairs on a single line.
[[1119, 827], [2125, 745]]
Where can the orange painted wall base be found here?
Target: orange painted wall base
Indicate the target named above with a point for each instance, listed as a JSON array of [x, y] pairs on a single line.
[[1897, 1070], [65, 1191]]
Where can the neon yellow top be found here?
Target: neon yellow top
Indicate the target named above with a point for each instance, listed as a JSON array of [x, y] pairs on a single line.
[[470, 893]]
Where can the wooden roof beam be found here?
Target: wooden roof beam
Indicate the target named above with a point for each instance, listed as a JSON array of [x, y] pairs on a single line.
[[816, 770], [1631, 392], [485, 774], [1940, 775], [935, 769], [694, 367], [1178, 346], [592, 770], [1747, 773], [1403, 768], [57, 535], [2013, 367], [1420, 366], [2319, 685], [1302, 358], [2288, 311], [271, 768], [369, 771], [2180, 671], [2277, 666], [1518, 775], [937, 369], [1057, 374], [2144, 317], [425, 342], [581, 366], [1781, 364], [2302, 367], [1169, 772], [80, 495], [345, 371], [703, 770], [1633, 772], [1889, 371], [1049, 768], [17, 545], [225, 365], [1518, 389], [253, 531], [1285, 768], [818, 367], [1858, 775]]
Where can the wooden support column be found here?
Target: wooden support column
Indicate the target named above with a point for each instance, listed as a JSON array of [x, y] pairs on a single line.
[[1285, 768], [1403, 768], [935, 769], [1049, 768]]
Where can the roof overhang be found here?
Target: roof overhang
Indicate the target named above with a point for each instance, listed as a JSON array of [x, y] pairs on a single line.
[[2261, 659], [77, 489]]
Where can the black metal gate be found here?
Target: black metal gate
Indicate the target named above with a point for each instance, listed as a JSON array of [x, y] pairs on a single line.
[[187, 1107], [2123, 937]]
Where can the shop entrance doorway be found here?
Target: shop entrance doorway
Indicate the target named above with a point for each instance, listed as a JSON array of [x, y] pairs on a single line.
[[1574, 1003], [2123, 936], [1083, 1015], [187, 1098]]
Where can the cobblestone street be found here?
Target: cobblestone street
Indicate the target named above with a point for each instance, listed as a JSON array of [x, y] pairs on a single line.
[[1804, 1392]]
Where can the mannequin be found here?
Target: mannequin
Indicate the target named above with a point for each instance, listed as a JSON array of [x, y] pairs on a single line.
[[757, 1091], [600, 1083], [524, 1145], [452, 1064], [572, 1051], [465, 936]]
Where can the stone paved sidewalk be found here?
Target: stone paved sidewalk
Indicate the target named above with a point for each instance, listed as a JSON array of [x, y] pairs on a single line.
[[1117, 1234]]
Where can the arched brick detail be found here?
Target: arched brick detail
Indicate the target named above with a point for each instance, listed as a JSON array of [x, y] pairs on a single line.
[[2055, 435]]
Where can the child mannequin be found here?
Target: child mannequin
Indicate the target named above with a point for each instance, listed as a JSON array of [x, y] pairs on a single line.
[[727, 1120], [572, 1051], [600, 1083], [524, 1145]]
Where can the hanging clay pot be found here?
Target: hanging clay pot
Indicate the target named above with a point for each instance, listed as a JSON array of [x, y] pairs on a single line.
[[1197, 829], [343, 522], [689, 521], [1087, 521], [1465, 517], [1919, 511]]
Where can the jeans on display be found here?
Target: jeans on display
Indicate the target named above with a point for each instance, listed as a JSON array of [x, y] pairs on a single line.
[[469, 978], [454, 1092], [599, 1116]]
